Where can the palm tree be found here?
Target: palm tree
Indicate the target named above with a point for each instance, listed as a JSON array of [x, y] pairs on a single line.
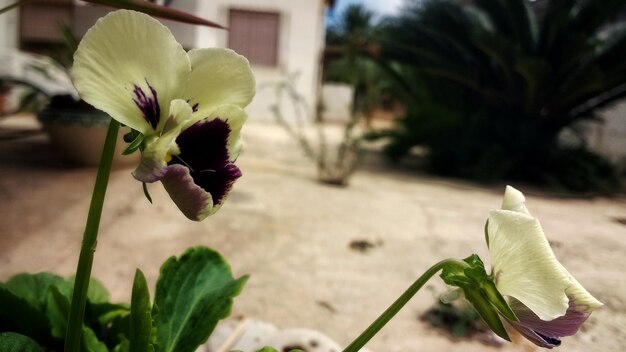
[[347, 39], [491, 85]]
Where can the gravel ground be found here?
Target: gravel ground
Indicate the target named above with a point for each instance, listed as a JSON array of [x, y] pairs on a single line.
[[293, 236]]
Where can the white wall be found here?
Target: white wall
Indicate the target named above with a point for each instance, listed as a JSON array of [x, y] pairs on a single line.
[[606, 137], [8, 26], [337, 101], [300, 45], [609, 138]]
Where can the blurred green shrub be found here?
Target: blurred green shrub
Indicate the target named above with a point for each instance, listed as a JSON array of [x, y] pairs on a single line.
[[489, 86]]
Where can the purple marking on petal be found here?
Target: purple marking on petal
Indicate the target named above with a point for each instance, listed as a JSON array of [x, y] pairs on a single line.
[[537, 338], [546, 333], [189, 197], [194, 107], [204, 151], [566, 325], [149, 106]]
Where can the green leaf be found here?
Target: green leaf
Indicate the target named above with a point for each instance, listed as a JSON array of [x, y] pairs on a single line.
[[20, 316], [267, 349], [193, 293], [32, 287], [96, 292], [57, 311], [140, 316], [12, 342], [122, 346], [156, 10], [91, 342], [105, 313]]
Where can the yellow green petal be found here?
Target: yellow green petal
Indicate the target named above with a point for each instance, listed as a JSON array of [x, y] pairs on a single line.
[[123, 51], [218, 77], [524, 265]]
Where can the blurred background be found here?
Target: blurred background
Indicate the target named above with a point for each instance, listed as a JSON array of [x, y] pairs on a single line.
[[381, 134]]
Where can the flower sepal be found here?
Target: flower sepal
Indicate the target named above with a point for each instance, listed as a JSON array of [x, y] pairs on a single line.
[[480, 290], [135, 142]]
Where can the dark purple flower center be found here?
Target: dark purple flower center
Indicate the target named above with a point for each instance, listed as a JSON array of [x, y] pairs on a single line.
[[149, 106], [203, 149]]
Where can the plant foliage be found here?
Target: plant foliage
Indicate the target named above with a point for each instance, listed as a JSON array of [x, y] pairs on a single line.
[[193, 293], [489, 87]]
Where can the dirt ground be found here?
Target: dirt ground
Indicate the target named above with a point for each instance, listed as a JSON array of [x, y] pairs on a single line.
[[293, 236]]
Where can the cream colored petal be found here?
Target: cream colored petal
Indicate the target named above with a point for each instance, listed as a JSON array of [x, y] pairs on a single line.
[[152, 166], [525, 266], [218, 77], [514, 201], [123, 51], [581, 298]]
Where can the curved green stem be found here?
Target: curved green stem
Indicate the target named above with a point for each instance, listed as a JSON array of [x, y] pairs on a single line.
[[85, 261], [395, 307]]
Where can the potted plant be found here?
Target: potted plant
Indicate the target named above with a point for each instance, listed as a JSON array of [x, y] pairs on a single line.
[[44, 87]]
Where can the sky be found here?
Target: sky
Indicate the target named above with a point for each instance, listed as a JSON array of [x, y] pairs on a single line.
[[381, 7]]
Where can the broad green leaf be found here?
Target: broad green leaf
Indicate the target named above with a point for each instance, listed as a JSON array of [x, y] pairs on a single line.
[[140, 316], [105, 313], [156, 10], [122, 347], [12, 342], [267, 349], [20, 316], [31, 287], [91, 342], [119, 332], [57, 311], [193, 293], [96, 292]]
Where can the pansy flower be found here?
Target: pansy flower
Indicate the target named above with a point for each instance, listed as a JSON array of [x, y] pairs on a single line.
[[548, 302], [187, 107]]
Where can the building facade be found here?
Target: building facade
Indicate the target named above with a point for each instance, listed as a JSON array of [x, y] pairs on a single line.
[[278, 37]]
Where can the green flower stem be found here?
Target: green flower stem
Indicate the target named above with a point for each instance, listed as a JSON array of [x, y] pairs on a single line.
[[395, 307], [85, 261]]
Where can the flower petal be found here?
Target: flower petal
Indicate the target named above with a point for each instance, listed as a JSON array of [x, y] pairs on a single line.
[[514, 200], [126, 65], [159, 149], [194, 202], [200, 177], [536, 338], [524, 266], [566, 325], [235, 117], [218, 77]]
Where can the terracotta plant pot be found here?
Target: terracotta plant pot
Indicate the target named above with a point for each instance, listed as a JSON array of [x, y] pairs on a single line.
[[80, 135]]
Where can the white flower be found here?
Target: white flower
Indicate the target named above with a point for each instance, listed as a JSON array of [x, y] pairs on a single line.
[[547, 300], [188, 106]]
